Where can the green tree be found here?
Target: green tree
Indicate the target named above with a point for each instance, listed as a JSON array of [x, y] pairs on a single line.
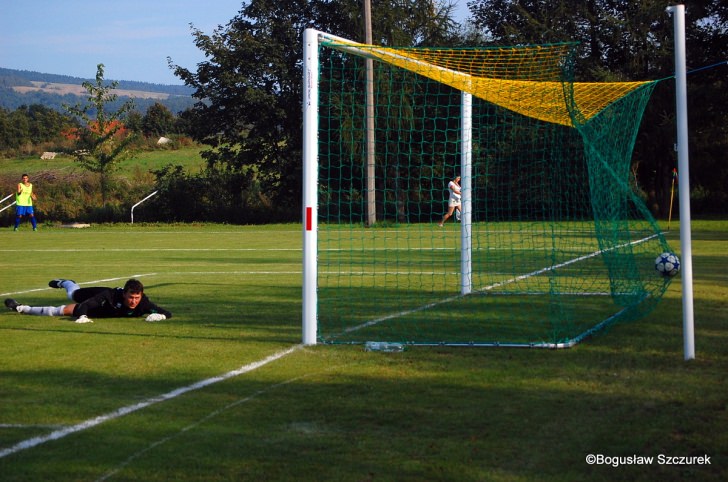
[[627, 40], [103, 142], [46, 124], [249, 89], [158, 121], [14, 129], [134, 121]]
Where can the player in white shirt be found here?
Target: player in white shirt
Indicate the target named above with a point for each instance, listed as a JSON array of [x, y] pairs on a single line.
[[453, 202]]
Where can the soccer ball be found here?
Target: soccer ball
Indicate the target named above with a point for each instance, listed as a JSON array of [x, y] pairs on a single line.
[[667, 264]]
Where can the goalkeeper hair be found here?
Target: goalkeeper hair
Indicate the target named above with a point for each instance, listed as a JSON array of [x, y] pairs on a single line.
[[133, 286]]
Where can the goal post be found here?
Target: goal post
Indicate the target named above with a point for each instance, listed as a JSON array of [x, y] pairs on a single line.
[[678, 13], [310, 183], [555, 241]]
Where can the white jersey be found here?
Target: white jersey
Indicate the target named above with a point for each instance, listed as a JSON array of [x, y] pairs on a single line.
[[454, 193]]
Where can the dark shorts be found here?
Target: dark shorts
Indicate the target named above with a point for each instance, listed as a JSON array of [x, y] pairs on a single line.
[[24, 210], [83, 294]]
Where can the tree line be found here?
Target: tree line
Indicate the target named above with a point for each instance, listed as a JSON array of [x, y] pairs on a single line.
[[31, 129], [251, 81], [248, 91]]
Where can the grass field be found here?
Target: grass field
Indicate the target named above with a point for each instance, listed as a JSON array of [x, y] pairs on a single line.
[[224, 392], [529, 282], [142, 161]]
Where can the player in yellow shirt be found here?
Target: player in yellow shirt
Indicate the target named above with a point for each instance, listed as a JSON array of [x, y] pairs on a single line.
[[24, 203]]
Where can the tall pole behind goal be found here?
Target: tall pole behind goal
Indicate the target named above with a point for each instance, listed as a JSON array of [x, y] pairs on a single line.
[[678, 13]]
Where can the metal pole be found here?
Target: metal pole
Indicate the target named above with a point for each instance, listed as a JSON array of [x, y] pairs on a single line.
[[137, 204], [370, 158], [8, 206], [466, 238], [681, 95], [310, 187]]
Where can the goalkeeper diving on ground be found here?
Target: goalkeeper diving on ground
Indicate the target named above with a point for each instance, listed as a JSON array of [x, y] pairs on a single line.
[[97, 302]]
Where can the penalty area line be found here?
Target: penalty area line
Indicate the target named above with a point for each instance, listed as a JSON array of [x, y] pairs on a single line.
[[58, 434]]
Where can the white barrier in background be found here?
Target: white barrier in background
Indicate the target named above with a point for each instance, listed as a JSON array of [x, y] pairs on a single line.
[[5, 199], [137, 204]]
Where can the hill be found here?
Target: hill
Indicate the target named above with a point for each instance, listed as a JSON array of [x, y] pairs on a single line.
[[22, 87]]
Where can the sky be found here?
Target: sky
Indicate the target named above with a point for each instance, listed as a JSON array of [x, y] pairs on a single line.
[[132, 38]]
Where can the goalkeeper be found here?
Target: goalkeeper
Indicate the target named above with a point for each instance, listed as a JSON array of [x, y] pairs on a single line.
[[97, 302]]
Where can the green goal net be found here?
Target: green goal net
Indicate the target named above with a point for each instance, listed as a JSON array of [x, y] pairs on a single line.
[[553, 240]]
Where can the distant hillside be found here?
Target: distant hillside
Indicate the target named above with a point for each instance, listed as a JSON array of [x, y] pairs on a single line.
[[23, 87], [24, 77]]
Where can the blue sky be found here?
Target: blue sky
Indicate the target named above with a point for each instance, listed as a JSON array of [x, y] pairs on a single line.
[[132, 38]]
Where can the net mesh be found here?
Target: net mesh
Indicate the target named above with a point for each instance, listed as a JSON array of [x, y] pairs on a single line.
[[560, 242]]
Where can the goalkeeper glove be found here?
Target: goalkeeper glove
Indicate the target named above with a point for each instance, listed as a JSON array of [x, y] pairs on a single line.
[[84, 319], [156, 317]]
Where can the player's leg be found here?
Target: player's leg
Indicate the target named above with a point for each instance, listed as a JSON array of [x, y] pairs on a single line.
[[67, 284], [447, 215], [63, 310], [18, 217]]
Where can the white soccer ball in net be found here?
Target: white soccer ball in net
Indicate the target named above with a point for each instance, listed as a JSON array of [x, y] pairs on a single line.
[[667, 264]]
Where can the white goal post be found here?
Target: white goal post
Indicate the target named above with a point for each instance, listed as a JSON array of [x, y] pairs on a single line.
[[311, 41]]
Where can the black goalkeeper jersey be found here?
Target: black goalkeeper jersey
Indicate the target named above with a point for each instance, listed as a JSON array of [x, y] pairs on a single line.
[[109, 303]]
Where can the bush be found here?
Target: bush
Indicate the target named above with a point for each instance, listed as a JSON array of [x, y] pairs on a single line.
[[77, 197]]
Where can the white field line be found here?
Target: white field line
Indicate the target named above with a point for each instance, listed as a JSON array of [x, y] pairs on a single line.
[[494, 285], [195, 273], [58, 434], [321, 250], [28, 425], [95, 282], [199, 422], [135, 250]]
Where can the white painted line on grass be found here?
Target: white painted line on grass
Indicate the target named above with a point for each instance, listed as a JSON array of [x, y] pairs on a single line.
[[199, 422], [84, 283], [499, 284], [58, 434], [31, 425]]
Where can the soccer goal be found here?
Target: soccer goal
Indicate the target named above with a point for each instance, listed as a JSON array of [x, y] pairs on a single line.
[[554, 240]]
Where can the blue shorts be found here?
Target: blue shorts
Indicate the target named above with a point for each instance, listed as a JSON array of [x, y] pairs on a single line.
[[24, 211]]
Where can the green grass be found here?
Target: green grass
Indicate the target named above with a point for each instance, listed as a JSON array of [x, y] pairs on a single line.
[[333, 412], [401, 283], [142, 161]]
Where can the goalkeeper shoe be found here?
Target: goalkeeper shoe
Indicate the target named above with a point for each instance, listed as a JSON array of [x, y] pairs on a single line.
[[58, 283], [12, 304]]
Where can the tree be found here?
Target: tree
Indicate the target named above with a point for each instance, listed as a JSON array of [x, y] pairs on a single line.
[[249, 89], [626, 40], [103, 141], [158, 121], [133, 121], [14, 129]]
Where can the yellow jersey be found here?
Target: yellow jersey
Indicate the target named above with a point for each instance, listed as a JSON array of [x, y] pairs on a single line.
[[25, 196]]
